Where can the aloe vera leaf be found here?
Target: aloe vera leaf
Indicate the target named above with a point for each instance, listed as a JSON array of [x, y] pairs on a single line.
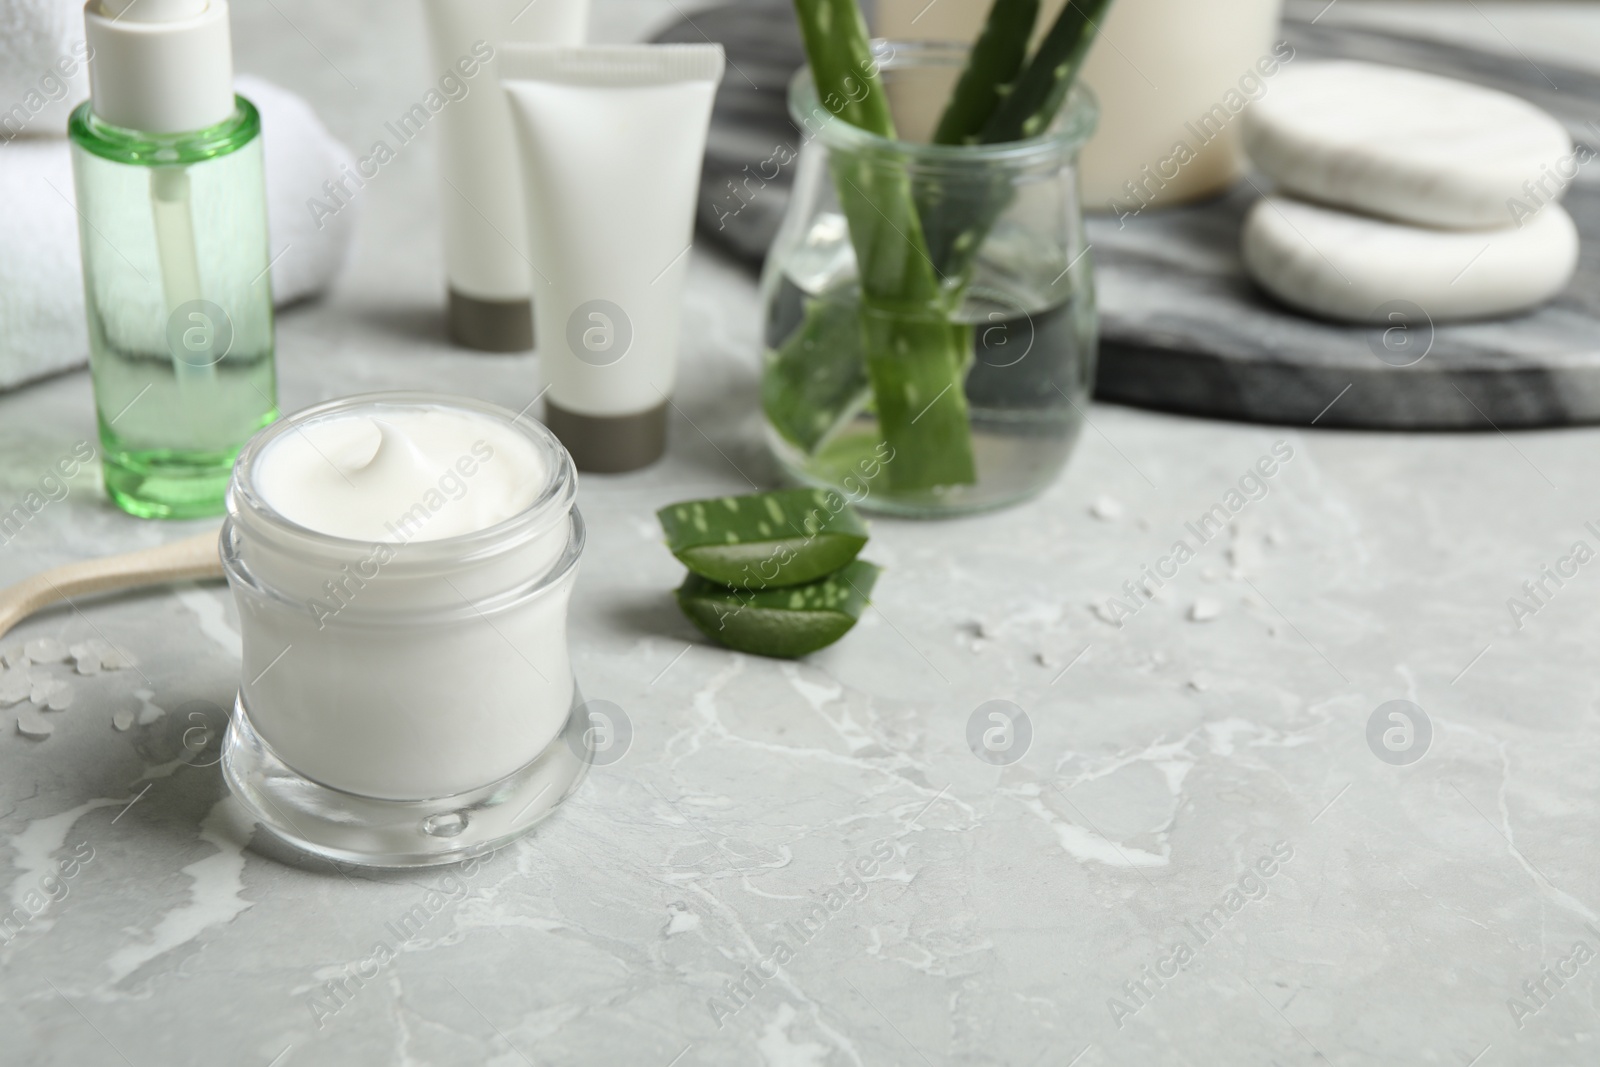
[[959, 211], [816, 381], [959, 217], [925, 397], [914, 355], [765, 540], [843, 67], [1031, 106], [993, 64], [898, 280], [783, 623]]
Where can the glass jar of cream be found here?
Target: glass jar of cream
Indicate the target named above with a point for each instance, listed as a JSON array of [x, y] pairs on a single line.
[[402, 565]]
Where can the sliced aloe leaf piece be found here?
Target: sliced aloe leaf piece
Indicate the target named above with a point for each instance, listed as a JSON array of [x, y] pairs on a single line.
[[782, 623], [765, 540]]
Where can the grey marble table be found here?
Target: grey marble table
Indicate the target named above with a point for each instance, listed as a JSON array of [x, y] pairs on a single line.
[[1198, 857]]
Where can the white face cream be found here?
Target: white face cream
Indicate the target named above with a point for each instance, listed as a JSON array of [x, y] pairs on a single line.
[[401, 476], [402, 565]]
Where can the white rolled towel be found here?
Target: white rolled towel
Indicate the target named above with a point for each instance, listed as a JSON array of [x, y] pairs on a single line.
[[300, 154], [42, 328], [42, 73]]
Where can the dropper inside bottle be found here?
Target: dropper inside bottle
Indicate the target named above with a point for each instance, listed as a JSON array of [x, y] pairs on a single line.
[[193, 352]]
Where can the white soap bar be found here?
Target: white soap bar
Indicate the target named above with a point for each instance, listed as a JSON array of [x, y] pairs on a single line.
[[1407, 145], [1349, 267]]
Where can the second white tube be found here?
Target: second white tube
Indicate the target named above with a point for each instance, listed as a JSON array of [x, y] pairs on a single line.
[[611, 140], [485, 249]]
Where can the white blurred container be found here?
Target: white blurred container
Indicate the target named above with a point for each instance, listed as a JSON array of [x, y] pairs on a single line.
[[1157, 68]]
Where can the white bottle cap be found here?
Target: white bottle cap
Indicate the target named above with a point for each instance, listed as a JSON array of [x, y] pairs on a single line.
[[159, 66]]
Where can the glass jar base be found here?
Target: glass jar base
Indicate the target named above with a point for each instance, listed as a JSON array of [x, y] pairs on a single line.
[[1013, 466], [369, 832], [168, 485]]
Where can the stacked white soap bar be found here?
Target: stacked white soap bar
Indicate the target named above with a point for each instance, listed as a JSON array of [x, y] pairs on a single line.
[[1396, 185]]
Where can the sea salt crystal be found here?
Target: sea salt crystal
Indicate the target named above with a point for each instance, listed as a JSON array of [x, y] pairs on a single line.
[[1104, 614], [1204, 610], [14, 686], [31, 724], [115, 659], [15, 657], [149, 714], [87, 656], [1106, 509], [46, 690], [45, 650], [123, 720], [61, 699]]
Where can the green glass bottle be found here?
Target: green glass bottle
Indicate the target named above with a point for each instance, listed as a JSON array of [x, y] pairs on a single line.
[[176, 260]]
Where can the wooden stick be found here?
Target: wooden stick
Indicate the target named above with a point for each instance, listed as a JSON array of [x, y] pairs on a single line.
[[187, 560]]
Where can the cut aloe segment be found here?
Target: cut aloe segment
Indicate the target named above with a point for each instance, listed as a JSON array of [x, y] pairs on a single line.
[[782, 623], [765, 540]]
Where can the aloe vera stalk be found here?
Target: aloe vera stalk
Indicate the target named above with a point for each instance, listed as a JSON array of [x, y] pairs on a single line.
[[1031, 106], [915, 357], [959, 218], [923, 396], [843, 68], [816, 381], [993, 64], [947, 208]]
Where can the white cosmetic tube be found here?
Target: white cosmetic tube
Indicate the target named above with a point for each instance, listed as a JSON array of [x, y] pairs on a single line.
[[611, 140], [485, 237]]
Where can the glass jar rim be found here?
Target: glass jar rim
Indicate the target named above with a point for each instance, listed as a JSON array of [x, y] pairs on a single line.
[[552, 503], [1076, 122], [238, 572]]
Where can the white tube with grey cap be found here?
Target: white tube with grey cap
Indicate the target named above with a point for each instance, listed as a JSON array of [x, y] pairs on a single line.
[[485, 247], [611, 139]]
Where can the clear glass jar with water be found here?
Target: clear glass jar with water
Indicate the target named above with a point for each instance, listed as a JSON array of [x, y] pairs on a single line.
[[1002, 229]]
